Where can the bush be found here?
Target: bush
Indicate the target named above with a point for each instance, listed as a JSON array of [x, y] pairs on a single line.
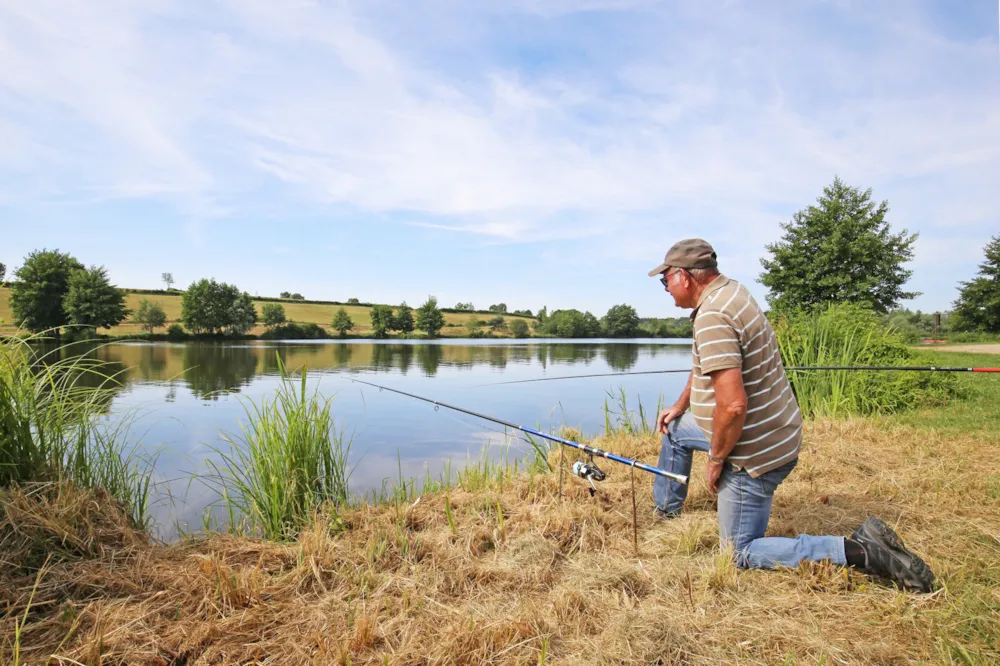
[[176, 332], [851, 335], [295, 331], [519, 328]]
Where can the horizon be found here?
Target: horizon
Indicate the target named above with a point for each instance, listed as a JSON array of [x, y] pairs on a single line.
[[531, 153]]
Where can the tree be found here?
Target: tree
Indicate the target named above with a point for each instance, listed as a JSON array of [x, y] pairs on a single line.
[[464, 306], [403, 321], [500, 308], [382, 320], [216, 307], [498, 323], [42, 282], [429, 317], [621, 321], [342, 322], [978, 304], [522, 313], [168, 278], [272, 314], [149, 315], [353, 301], [3, 271], [285, 294], [92, 301], [297, 297], [572, 324], [519, 328], [840, 250]]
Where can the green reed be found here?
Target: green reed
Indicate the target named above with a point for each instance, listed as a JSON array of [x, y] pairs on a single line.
[[288, 462], [53, 425]]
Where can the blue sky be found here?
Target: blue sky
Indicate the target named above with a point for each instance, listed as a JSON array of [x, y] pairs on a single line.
[[526, 151]]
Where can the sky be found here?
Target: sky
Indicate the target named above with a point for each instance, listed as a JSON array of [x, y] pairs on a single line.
[[531, 152]]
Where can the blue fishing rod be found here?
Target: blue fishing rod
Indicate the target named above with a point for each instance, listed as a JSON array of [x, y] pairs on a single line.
[[589, 472]]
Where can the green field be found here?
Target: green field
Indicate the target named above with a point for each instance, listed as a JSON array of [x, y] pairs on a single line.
[[303, 313]]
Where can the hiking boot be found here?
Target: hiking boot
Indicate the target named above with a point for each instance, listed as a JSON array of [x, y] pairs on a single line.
[[886, 557]]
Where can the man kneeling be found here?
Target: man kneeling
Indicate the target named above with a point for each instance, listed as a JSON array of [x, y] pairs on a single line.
[[745, 416]]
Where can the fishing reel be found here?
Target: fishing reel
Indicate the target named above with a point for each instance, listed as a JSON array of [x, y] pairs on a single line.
[[590, 472]]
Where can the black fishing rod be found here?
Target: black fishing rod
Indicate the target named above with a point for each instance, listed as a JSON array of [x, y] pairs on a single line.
[[876, 368], [585, 471]]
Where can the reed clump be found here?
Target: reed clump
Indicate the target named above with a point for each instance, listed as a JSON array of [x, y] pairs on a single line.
[[289, 460], [52, 403], [850, 335], [507, 571]]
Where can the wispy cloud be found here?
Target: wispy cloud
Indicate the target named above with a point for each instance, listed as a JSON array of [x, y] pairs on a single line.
[[517, 121]]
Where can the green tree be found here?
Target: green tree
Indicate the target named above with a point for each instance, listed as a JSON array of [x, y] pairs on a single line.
[[3, 271], [216, 307], [499, 308], [168, 279], [519, 328], [297, 297], [92, 301], [621, 321], [272, 314], [840, 250], [464, 306], [353, 301], [429, 317], [978, 304], [285, 294], [498, 323], [403, 321], [42, 282], [342, 322], [149, 315], [382, 320]]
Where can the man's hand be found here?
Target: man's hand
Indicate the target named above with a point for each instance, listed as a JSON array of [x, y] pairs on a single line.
[[712, 473], [666, 416]]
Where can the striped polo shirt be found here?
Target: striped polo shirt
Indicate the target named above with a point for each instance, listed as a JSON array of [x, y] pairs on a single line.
[[730, 331]]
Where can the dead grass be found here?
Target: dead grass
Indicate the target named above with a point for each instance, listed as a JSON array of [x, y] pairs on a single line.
[[527, 577]]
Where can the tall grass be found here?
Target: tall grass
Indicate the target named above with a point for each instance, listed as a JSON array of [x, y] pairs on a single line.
[[849, 335], [619, 419], [288, 462], [52, 424]]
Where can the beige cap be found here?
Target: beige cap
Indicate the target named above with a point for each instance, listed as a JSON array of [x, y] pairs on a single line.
[[690, 253]]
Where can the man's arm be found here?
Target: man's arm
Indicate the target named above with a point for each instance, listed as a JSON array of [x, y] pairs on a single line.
[[728, 419]]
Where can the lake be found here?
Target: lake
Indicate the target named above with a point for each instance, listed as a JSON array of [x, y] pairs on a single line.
[[184, 396]]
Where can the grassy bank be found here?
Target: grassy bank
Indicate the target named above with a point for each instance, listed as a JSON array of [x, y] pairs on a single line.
[[302, 313], [502, 570]]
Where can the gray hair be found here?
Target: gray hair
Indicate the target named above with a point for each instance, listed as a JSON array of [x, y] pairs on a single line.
[[703, 275]]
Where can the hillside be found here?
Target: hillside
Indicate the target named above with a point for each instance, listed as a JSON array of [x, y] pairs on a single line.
[[297, 311]]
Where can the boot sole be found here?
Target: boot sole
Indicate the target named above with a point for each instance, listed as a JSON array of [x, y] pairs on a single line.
[[917, 568]]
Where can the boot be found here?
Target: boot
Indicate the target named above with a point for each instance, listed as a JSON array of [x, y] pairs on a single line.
[[886, 557]]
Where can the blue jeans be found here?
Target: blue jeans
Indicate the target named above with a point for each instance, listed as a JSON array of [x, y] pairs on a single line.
[[744, 505]]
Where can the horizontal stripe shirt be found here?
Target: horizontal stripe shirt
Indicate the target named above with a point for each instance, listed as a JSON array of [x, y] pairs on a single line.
[[730, 331]]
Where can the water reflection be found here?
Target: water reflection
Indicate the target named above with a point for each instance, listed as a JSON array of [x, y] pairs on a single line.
[[212, 369]]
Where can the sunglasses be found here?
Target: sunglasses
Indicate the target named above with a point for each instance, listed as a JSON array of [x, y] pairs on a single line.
[[665, 280]]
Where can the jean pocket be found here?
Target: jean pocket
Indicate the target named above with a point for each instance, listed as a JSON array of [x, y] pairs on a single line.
[[770, 481]]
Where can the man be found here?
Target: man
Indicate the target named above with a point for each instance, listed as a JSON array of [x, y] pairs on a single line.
[[744, 415]]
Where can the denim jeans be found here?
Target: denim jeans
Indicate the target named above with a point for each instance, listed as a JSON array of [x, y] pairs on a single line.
[[744, 505]]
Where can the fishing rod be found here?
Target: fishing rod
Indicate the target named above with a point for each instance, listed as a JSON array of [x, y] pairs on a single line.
[[876, 368], [589, 472]]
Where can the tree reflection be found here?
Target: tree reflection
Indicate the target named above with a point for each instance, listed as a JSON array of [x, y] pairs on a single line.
[[621, 357], [429, 357], [211, 369]]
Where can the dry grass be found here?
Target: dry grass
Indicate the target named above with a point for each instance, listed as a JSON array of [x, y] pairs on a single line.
[[527, 577], [302, 313]]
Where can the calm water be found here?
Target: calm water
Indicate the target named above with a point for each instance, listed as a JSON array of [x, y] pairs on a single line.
[[186, 395]]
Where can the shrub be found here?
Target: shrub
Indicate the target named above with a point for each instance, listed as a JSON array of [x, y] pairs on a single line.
[[295, 331], [852, 335], [176, 332], [519, 328]]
